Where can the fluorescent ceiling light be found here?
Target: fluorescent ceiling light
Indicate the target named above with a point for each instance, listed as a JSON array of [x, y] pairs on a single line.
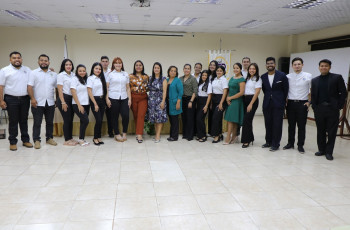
[[25, 15], [253, 24], [142, 32], [179, 21], [306, 4], [214, 2], [106, 18]]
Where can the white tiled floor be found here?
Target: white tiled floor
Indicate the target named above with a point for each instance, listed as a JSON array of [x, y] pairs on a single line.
[[179, 185]]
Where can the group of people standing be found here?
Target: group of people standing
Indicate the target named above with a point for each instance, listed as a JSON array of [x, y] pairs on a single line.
[[161, 97]]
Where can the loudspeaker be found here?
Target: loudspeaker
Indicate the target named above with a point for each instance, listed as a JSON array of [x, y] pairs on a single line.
[[283, 64]]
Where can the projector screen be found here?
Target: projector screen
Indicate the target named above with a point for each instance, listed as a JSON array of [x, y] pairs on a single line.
[[340, 61]]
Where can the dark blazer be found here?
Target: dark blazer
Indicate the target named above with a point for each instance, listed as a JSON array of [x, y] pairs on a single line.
[[276, 95], [336, 91]]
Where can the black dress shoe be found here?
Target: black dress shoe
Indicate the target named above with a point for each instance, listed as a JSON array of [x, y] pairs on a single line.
[[319, 154], [95, 143], [190, 139], [101, 142], [183, 137], [329, 157], [216, 141], [288, 146], [266, 145], [274, 149], [301, 149], [171, 139], [111, 135]]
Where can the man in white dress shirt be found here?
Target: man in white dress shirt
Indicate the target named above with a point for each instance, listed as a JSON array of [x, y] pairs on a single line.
[[14, 97], [245, 65], [105, 63], [41, 89], [298, 103]]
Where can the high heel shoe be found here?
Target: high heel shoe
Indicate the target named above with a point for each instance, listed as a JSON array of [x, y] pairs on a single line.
[[95, 143], [246, 145], [216, 141]]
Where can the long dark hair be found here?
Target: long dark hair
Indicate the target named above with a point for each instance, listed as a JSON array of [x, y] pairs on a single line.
[[257, 76], [206, 82], [101, 76], [153, 74], [63, 65], [239, 65], [82, 80], [143, 68], [213, 74]]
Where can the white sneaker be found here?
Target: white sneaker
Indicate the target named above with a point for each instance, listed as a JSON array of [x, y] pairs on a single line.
[[156, 141]]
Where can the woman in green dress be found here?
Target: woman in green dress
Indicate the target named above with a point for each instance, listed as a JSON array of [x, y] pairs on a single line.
[[235, 110]]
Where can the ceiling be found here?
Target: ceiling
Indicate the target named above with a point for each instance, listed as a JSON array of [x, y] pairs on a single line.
[[220, 18]]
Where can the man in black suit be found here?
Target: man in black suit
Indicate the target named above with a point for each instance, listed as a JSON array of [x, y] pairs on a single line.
[[275, 87], [328, 94]]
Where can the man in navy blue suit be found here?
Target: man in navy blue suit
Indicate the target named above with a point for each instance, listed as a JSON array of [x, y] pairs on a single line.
[[275, 87]]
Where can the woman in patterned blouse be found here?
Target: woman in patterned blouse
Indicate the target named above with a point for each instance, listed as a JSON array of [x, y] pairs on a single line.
[[156, 99], [138, 87]]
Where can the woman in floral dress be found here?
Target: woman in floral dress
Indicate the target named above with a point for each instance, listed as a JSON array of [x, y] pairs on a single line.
[[156, 99]]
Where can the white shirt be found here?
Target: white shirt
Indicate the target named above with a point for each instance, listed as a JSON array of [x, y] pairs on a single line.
[[15, 80], [82, 92], [107, 72], [44, 84], [219, 85], [244, 73], [299, 85], [202, 93], [251, 85], [271, 77], [117, 84], [95, 84], [197, 78], [64, 79]]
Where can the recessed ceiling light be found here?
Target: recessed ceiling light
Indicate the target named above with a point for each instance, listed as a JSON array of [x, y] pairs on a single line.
[[25, 15], [179, 21], [253, 24], [106, 18], [214, 2], [306, 4]]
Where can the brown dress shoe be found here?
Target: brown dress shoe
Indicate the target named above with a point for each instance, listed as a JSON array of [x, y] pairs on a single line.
[[13, 147], [27, 144]]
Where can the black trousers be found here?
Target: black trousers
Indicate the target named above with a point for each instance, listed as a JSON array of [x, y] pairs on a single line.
[[119, 107], [200, 117], [174, 123], [297, 115], [210, 117], [17, 109], [247, 130], [273, 125], [98, 115], [188, 117], [67, 116], [109, 120], [327, 121], [84, 119], [38, 113], [216, 122]]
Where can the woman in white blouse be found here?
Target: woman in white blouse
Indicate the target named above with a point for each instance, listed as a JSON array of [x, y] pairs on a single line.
[[80, 101], [97, 90], [220, 89], [119, 97], [251, 103], [64, 100], [204, 97]]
